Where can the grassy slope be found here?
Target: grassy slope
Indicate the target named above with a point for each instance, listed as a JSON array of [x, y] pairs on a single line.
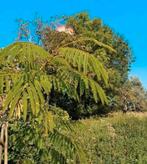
[[119, 138]]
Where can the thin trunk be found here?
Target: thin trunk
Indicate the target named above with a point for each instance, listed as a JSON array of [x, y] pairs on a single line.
[[2, 141], [6, 144]]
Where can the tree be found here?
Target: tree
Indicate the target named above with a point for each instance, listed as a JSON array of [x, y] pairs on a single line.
[[118, 63], [132, 96], [28, 76], [96, 38], [113, 51]]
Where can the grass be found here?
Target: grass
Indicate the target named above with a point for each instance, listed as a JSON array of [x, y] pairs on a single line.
[[117, 139]]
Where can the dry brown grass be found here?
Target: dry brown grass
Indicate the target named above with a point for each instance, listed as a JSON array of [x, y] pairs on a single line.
[[135, 114]]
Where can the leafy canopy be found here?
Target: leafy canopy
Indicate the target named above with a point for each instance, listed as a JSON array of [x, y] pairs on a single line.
[[28, 74]]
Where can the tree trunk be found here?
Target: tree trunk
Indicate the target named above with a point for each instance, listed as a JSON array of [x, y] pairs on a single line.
[[2, 141], [6, 144]]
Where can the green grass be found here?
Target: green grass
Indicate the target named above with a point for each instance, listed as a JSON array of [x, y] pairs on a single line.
[[117, 139]]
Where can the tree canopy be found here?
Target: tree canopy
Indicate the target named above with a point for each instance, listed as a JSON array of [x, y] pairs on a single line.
[[96, 38]]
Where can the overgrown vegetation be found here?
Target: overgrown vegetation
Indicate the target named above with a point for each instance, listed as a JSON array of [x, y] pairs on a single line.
[[120, 138], [52, 77], [29, 145], [117, 139]]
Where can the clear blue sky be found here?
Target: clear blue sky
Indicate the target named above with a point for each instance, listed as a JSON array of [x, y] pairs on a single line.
[[128, 17]]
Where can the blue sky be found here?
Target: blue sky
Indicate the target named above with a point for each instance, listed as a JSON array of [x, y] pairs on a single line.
[[128, 17]]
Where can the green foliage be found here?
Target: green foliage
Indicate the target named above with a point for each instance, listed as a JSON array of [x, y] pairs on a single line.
[[120, 138], [132, 96], [73, 72], [24, 61], [118, 63], [88, 67], [31, 145], [37, 73], [117, 139], [29, 75], [112, 50]]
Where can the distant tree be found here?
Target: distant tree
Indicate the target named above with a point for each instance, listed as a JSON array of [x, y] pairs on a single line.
[[132, 96], [119, 61]]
